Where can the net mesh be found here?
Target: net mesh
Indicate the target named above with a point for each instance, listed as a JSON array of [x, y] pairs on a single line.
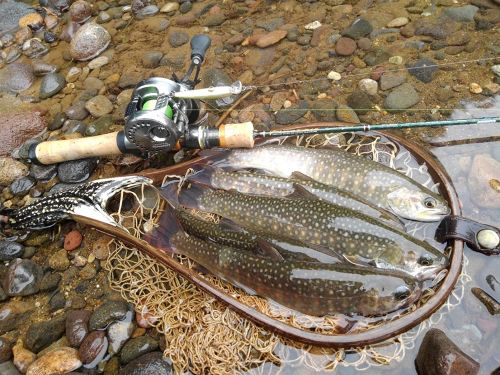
[[204, 335]]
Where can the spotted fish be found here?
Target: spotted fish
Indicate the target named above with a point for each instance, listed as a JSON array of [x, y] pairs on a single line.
[[334, 230], [383, 186], [311, 288], [262, 184]]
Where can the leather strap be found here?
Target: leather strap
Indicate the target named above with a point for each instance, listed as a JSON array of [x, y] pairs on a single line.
[[457, 227]]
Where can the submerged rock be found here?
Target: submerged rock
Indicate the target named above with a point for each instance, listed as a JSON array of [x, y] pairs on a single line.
[[22, 278], [136, 347], [359, 28], [5, 350], [10, 250], [10, 13], [93, 348], [402, 97], [148, 364], [423, 69], [22, 356], [107, 313], [8, 368], [13, 314], [77, 326], [17, 128], [56, 362], [16, 77], [10, 170], [41, 335], [484, 169], [89, 41], [80, 11], [438, 355], [52, 83]]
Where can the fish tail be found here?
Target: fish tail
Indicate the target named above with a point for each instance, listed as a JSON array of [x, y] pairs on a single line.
[[190, 197], [167, 230], [170, 192]]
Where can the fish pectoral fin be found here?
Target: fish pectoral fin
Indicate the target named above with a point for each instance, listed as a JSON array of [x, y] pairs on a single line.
[[327, 251], [269, 250], [300, 192], [356, 262], [296, 175]]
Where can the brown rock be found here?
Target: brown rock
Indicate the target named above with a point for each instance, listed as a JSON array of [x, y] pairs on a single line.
[[345, 46], [22, 357], [77, 322], [18, 127], [438, 355], [93, 346], [271, 38], [57, 362], [72, 240], [100, 248]]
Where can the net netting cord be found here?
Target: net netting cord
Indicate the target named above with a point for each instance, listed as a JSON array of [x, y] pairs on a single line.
[[202, 334]]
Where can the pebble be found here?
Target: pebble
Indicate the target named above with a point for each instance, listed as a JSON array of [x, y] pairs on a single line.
[[89, 41], [475, 88], [51, 84], [57, 122], [56, 362], [32, 20], [402, 97], [270, 38], [57, 302], [8, 368], [77, 326], [41, 335], [178, 38], [214, 19], [50, 282], [324, 110], [13, 314], [59, 260], [101, 126], [80, 11], [147, 11], [360, 102], [439, 355], [16, 77], [119, 332], [398, 22], [148, 364], [313, 25], [93, 348], [76, 170], [41, 68], [23, 358], [345, 46], [107, 313], [22, 278], [358, 29], [22, 186], [137, 347], [98, 62], [169, 7], [43, 172], [390, 80], [185, 7], [292, 114], [99, 106], [334, 76], [88, 272], [271, 24], [72, 240], [464, 13], [5, 350], [368, 85], [396, 60], [151, 59], [77, 111], [10, 250], [423, 69]]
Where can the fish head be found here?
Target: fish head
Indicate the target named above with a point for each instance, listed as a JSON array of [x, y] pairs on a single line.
[[417, 204]]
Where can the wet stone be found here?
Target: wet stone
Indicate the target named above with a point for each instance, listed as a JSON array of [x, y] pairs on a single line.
[[292, 114], [178, 38], [137, 347], [77, 326], [360, 102], [13, 314], [41, 68], [56, 362], [99, 106], [57, 302], [50, 282], [151, 59], [271, 24], [93, 347], [5, 350], [43, 172], [324, 110], [147, 11], [119, 332], [185, 7], [390, 80], [8, 368], [16, 77], [423, 69], [76, 170], [89, 41], [107, 313], [59, 261], [51, 84], [22, 278], [22, 356], [41, 335], [77, 111], [402, 97], [100, 126], [440, 356], [22, 186], [461, 14], [358, 29], [345, 46], [3, 295], [10, 250], [148, 364], [214, 19], [57, 122], [10, 170]]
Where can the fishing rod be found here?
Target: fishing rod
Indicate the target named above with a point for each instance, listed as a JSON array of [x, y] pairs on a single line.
[[167, 114]]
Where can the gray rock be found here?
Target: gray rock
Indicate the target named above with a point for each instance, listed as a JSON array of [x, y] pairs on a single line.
[[147, 11], [151, 59], [74, 126], [271, 24], [136, 347], [390, 80], [10, 250], [360, 102], [347, 114], [358, 29], [108, 313], [438, 355], [8, 368], [465, 13], [5, 350], [376, 57], [43, 172], [3, 295], [178, 38], [10, 13], [185, 7], [16, 77], [57, 122], [22, 278], [148, 364], [423, 69], [76, 170], [77, 326], [57, 302], [89, 41], [77, 111], [496, 70], [51, 84], [119, 332], [100, 126], [41, 335], [215, 19], [292, 114], [41, 68], [99, 106], [402, 97], [50, 281], [324, 110], [22, 186], [14, 314]]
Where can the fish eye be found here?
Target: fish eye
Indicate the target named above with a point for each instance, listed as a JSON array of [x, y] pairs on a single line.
[[402, 292], [425, 260], [430, 202]]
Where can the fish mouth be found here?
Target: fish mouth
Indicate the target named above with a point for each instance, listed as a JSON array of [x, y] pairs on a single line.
[[433, 215]]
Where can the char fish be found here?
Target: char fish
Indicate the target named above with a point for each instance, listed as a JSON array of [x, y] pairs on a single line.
[[383, 186], [310, 288], [262, 184], [336, 231]]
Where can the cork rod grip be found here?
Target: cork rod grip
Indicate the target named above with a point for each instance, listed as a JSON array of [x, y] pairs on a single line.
[[71, 149], [236, 135]]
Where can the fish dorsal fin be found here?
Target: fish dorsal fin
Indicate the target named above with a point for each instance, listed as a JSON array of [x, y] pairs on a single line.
[[228, 224], [300, 192], [269, 251], [296, 175], [328, 251]]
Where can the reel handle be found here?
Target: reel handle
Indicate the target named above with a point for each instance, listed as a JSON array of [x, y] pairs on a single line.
[[199, 46]]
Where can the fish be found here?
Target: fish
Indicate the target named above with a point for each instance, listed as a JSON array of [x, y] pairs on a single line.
[[262, 184], [316, 289], [381, 185], [331, 229]]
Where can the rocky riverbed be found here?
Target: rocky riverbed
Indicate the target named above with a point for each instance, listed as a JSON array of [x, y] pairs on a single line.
[[67, 70]]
